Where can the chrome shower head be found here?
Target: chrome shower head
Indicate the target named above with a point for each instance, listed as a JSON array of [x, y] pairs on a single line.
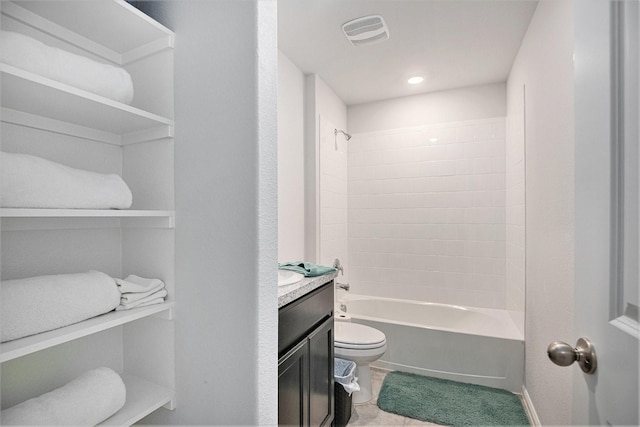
[[346, 135]]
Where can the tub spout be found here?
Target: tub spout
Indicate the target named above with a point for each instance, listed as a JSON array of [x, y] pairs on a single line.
[[344, 286]]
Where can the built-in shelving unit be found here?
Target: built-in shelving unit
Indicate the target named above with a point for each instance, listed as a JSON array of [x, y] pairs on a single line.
[[27, 345], [53, 120], [143, 397], [66, 213], [23, 91]]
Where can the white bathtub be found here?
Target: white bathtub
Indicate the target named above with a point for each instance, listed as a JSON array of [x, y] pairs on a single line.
[[473, 345]]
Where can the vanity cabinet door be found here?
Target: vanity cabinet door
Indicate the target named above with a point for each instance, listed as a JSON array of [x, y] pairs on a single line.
[[321, 399], [305, 367], [293, 386]]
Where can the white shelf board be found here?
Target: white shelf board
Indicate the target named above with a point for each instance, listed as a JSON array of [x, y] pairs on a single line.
[[83, 213], [31, 344], [42, 97], [17, 219], [143, 397], [22, 118], [81, 23]]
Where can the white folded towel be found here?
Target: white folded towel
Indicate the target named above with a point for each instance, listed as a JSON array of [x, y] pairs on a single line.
[[38, 304], [133, 283], [32, 55], [137, 296], [33, 182], [86, 401], [144, 304], [156, 298], [138, 291]]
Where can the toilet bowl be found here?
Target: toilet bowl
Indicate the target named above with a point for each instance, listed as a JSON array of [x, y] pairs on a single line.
[[363, 345]]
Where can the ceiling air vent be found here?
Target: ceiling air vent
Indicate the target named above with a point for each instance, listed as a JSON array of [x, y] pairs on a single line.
[[366, 30]]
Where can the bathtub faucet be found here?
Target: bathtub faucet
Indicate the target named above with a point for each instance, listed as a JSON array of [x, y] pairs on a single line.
[[338, 266], [344, 286]]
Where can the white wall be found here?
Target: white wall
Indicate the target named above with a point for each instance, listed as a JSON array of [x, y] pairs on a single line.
[[515, 206], [332, 114], [427, 213], [333, 197], [325, 210], [326, 177], [226, 213], [470, 103], [328, 104], [291, 227], [544, 66]]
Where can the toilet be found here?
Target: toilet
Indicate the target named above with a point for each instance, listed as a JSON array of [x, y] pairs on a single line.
[[363, 345]]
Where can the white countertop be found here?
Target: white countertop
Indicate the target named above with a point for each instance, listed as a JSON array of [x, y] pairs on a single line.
[[289, 293]]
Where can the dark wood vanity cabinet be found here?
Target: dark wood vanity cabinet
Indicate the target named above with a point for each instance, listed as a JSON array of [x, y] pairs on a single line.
[[305, 365]]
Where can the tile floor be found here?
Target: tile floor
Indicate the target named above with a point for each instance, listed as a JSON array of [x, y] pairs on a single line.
[[368, 414]]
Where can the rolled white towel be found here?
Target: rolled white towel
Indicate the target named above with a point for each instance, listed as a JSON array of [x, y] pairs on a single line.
[[86, 401], [32, 55], [43, 303], [33, 182], [133, 283]]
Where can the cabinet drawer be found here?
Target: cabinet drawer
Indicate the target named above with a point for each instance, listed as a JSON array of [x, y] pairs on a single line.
[[298, 318]]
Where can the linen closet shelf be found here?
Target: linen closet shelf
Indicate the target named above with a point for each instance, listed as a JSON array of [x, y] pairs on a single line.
[[31, 99], [31, 344], [53, 120], [25, 219]]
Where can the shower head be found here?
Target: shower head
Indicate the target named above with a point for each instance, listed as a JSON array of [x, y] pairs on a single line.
[[346, 135]]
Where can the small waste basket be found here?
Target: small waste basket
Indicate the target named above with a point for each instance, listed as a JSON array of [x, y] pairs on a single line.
[[345, 384]]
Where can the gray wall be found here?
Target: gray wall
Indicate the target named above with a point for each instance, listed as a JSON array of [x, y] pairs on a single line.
[[226, 211], [544, 66], [291, 148], [320, 101]]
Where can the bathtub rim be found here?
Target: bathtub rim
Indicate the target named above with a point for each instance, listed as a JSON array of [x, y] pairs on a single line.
[[511, 331]]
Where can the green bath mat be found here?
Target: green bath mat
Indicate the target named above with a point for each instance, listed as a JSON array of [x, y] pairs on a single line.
[[449, 402]]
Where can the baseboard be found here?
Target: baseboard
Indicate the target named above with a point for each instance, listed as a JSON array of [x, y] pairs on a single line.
[[529, 409]]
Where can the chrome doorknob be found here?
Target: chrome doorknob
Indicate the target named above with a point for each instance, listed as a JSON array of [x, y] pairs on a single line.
[[562, 354]]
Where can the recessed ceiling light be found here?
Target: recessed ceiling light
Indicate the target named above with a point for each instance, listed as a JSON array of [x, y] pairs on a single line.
[[415, 80]]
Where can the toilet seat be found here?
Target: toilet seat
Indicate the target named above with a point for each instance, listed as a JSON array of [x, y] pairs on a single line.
[[357, 337]]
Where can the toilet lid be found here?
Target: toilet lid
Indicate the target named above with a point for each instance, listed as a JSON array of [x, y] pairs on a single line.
[[354, 335]]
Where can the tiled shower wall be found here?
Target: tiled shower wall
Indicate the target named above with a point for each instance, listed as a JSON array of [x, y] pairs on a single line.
[[426, 213]]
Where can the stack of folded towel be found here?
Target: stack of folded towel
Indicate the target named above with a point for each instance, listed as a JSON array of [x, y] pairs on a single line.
[[137, 292]]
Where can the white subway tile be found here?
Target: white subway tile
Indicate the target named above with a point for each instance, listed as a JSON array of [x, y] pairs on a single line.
[[432, 213], [465, 133], [498, 165], [443, 134], [485, 131]]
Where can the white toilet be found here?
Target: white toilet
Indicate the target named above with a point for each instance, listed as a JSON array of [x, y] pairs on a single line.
[[363, 345]]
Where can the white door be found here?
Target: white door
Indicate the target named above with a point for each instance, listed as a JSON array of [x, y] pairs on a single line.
[[606, 269]]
